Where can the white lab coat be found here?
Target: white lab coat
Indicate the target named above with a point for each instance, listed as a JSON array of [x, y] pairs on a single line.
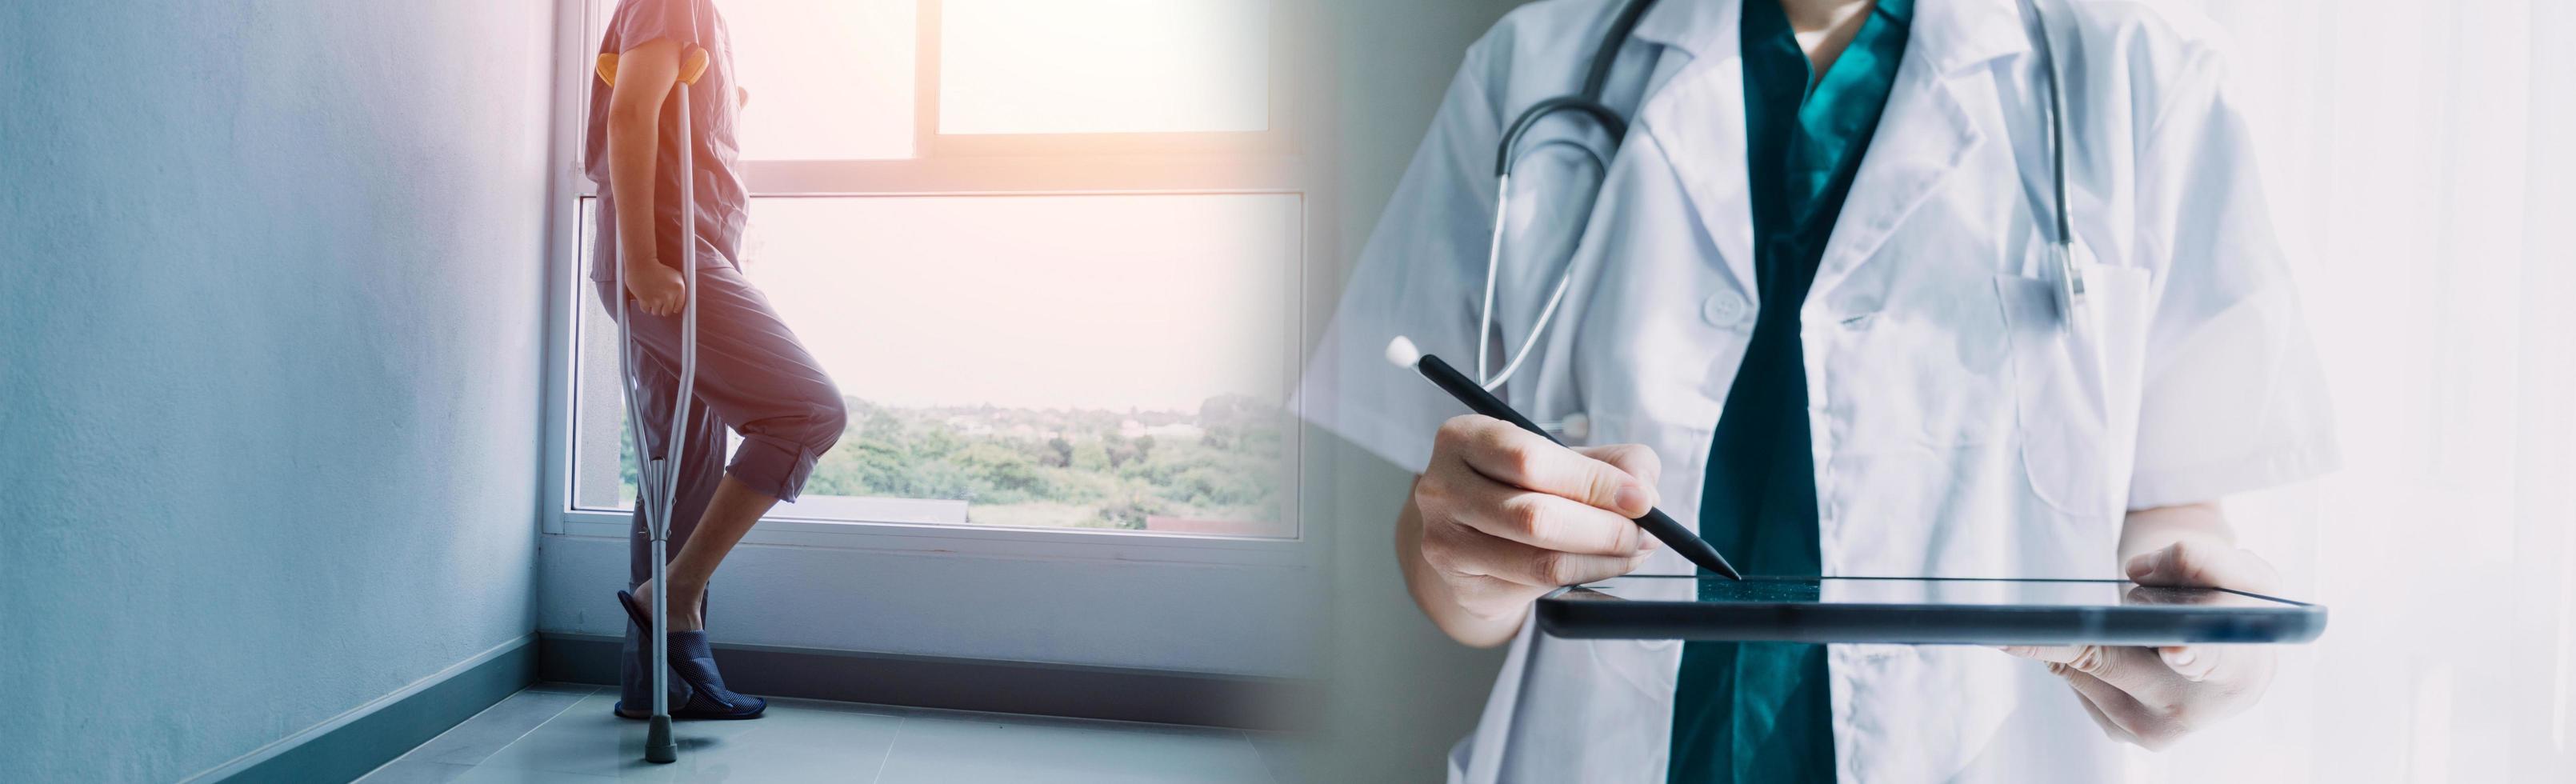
[[1956, 429]]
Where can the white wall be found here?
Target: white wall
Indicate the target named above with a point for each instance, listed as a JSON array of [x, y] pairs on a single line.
[[269, 289], [2417, 160]]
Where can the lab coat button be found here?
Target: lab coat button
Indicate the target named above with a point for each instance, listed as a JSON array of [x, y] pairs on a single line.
[[1724, 309]]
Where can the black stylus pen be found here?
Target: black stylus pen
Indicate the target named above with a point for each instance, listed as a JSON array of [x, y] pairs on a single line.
[[1661, 525]]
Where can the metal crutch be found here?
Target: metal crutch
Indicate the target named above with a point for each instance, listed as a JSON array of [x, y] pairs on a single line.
[[654, 491]]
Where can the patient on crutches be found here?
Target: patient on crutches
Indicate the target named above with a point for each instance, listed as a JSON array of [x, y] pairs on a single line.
[[750, 373]]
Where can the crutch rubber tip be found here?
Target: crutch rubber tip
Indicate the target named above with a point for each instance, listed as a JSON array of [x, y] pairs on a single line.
[[658, 746]]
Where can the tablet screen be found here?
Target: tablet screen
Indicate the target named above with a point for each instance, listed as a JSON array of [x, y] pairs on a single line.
[[1917, 591]]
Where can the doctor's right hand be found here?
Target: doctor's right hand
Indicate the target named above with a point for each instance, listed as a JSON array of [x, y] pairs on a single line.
[[1502, 516]]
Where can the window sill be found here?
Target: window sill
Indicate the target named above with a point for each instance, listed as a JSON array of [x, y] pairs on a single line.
[[985, 542]]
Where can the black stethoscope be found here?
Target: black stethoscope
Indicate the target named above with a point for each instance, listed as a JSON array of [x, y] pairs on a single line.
[[2070, 281]]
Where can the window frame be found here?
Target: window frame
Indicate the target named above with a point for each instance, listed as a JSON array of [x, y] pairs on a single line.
[[1218, 163]]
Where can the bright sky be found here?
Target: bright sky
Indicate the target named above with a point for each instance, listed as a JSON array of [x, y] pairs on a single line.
[[828, 78], [834, 78], [1112, 302], [1103, 66]]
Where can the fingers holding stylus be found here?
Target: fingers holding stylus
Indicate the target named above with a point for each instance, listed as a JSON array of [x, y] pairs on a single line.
[[1528, 461], [1519, 487], [1468, 552], [1501, 516], [1531, 519]]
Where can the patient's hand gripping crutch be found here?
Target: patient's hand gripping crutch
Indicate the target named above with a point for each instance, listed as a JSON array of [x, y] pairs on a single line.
[[655, 491]]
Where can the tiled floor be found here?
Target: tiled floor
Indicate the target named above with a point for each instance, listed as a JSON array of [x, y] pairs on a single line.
[[564, 733]]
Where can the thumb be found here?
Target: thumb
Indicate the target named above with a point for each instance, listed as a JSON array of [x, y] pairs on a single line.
[[2052, 654], [2201, 564]]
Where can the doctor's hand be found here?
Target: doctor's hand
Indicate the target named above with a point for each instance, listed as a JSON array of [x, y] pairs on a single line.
[[1502, 516], [2152, 697], [657, 288]]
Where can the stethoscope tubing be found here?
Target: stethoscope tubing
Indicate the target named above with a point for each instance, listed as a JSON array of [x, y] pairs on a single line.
[[1596, 78]]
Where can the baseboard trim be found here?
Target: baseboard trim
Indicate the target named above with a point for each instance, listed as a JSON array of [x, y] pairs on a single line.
[[363, 738], [1078, 691]]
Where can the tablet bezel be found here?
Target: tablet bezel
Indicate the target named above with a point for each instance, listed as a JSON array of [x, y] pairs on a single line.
[[1584, 613]]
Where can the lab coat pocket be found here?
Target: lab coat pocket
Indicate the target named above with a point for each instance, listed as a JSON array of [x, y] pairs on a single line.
[[2074, 386]]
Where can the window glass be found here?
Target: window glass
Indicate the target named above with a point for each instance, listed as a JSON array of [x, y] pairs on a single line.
[[603, 465], [1103, 66], [1079, 361]]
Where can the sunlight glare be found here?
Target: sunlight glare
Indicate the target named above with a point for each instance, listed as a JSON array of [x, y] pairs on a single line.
[[829, 79], [1104, 66]]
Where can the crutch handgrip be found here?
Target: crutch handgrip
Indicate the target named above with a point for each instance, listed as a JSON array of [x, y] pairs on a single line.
[[693, 64]]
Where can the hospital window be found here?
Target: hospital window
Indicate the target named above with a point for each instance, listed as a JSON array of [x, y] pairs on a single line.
[[1050, 250]]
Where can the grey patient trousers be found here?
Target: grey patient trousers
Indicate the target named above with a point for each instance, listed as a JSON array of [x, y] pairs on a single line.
[[752, 375]]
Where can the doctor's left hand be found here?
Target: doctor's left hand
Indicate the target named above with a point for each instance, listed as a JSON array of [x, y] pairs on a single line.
[[2152, 697]]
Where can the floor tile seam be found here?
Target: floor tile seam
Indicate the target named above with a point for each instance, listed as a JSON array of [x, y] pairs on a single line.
[[886, 759], [523, 734]]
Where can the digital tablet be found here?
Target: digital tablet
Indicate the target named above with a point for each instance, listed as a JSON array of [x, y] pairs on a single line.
[[1927, 611]]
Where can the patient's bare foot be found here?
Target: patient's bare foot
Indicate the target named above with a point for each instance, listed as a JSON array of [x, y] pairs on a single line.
[[686, 615]]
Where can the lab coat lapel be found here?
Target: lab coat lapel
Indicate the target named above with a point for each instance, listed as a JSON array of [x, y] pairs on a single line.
[[1698, 121], [1924, 133]]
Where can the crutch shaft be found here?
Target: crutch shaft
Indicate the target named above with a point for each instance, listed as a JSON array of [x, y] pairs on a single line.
[[656, 493]]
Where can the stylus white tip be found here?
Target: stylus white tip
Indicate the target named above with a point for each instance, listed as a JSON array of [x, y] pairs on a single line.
[[1402, 352]]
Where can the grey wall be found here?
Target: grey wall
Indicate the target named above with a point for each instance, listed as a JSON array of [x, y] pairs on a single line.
[[1400, 692], [269, 354]]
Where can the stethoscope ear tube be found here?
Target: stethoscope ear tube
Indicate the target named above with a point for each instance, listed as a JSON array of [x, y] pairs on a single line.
[[1610, 121], [1587, 103], [1485, 315]]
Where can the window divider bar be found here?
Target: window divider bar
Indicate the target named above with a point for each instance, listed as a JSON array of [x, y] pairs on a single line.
[[925, 79], [575, 24]]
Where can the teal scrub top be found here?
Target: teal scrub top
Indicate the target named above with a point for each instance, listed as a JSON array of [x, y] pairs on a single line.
[[1759, 712]]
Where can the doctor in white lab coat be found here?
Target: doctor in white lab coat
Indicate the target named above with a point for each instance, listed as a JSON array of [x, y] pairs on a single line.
[[1959, 427]]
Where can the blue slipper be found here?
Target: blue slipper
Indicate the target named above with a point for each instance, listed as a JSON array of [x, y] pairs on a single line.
[[693, 658], [633, 612], [702, 693]]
